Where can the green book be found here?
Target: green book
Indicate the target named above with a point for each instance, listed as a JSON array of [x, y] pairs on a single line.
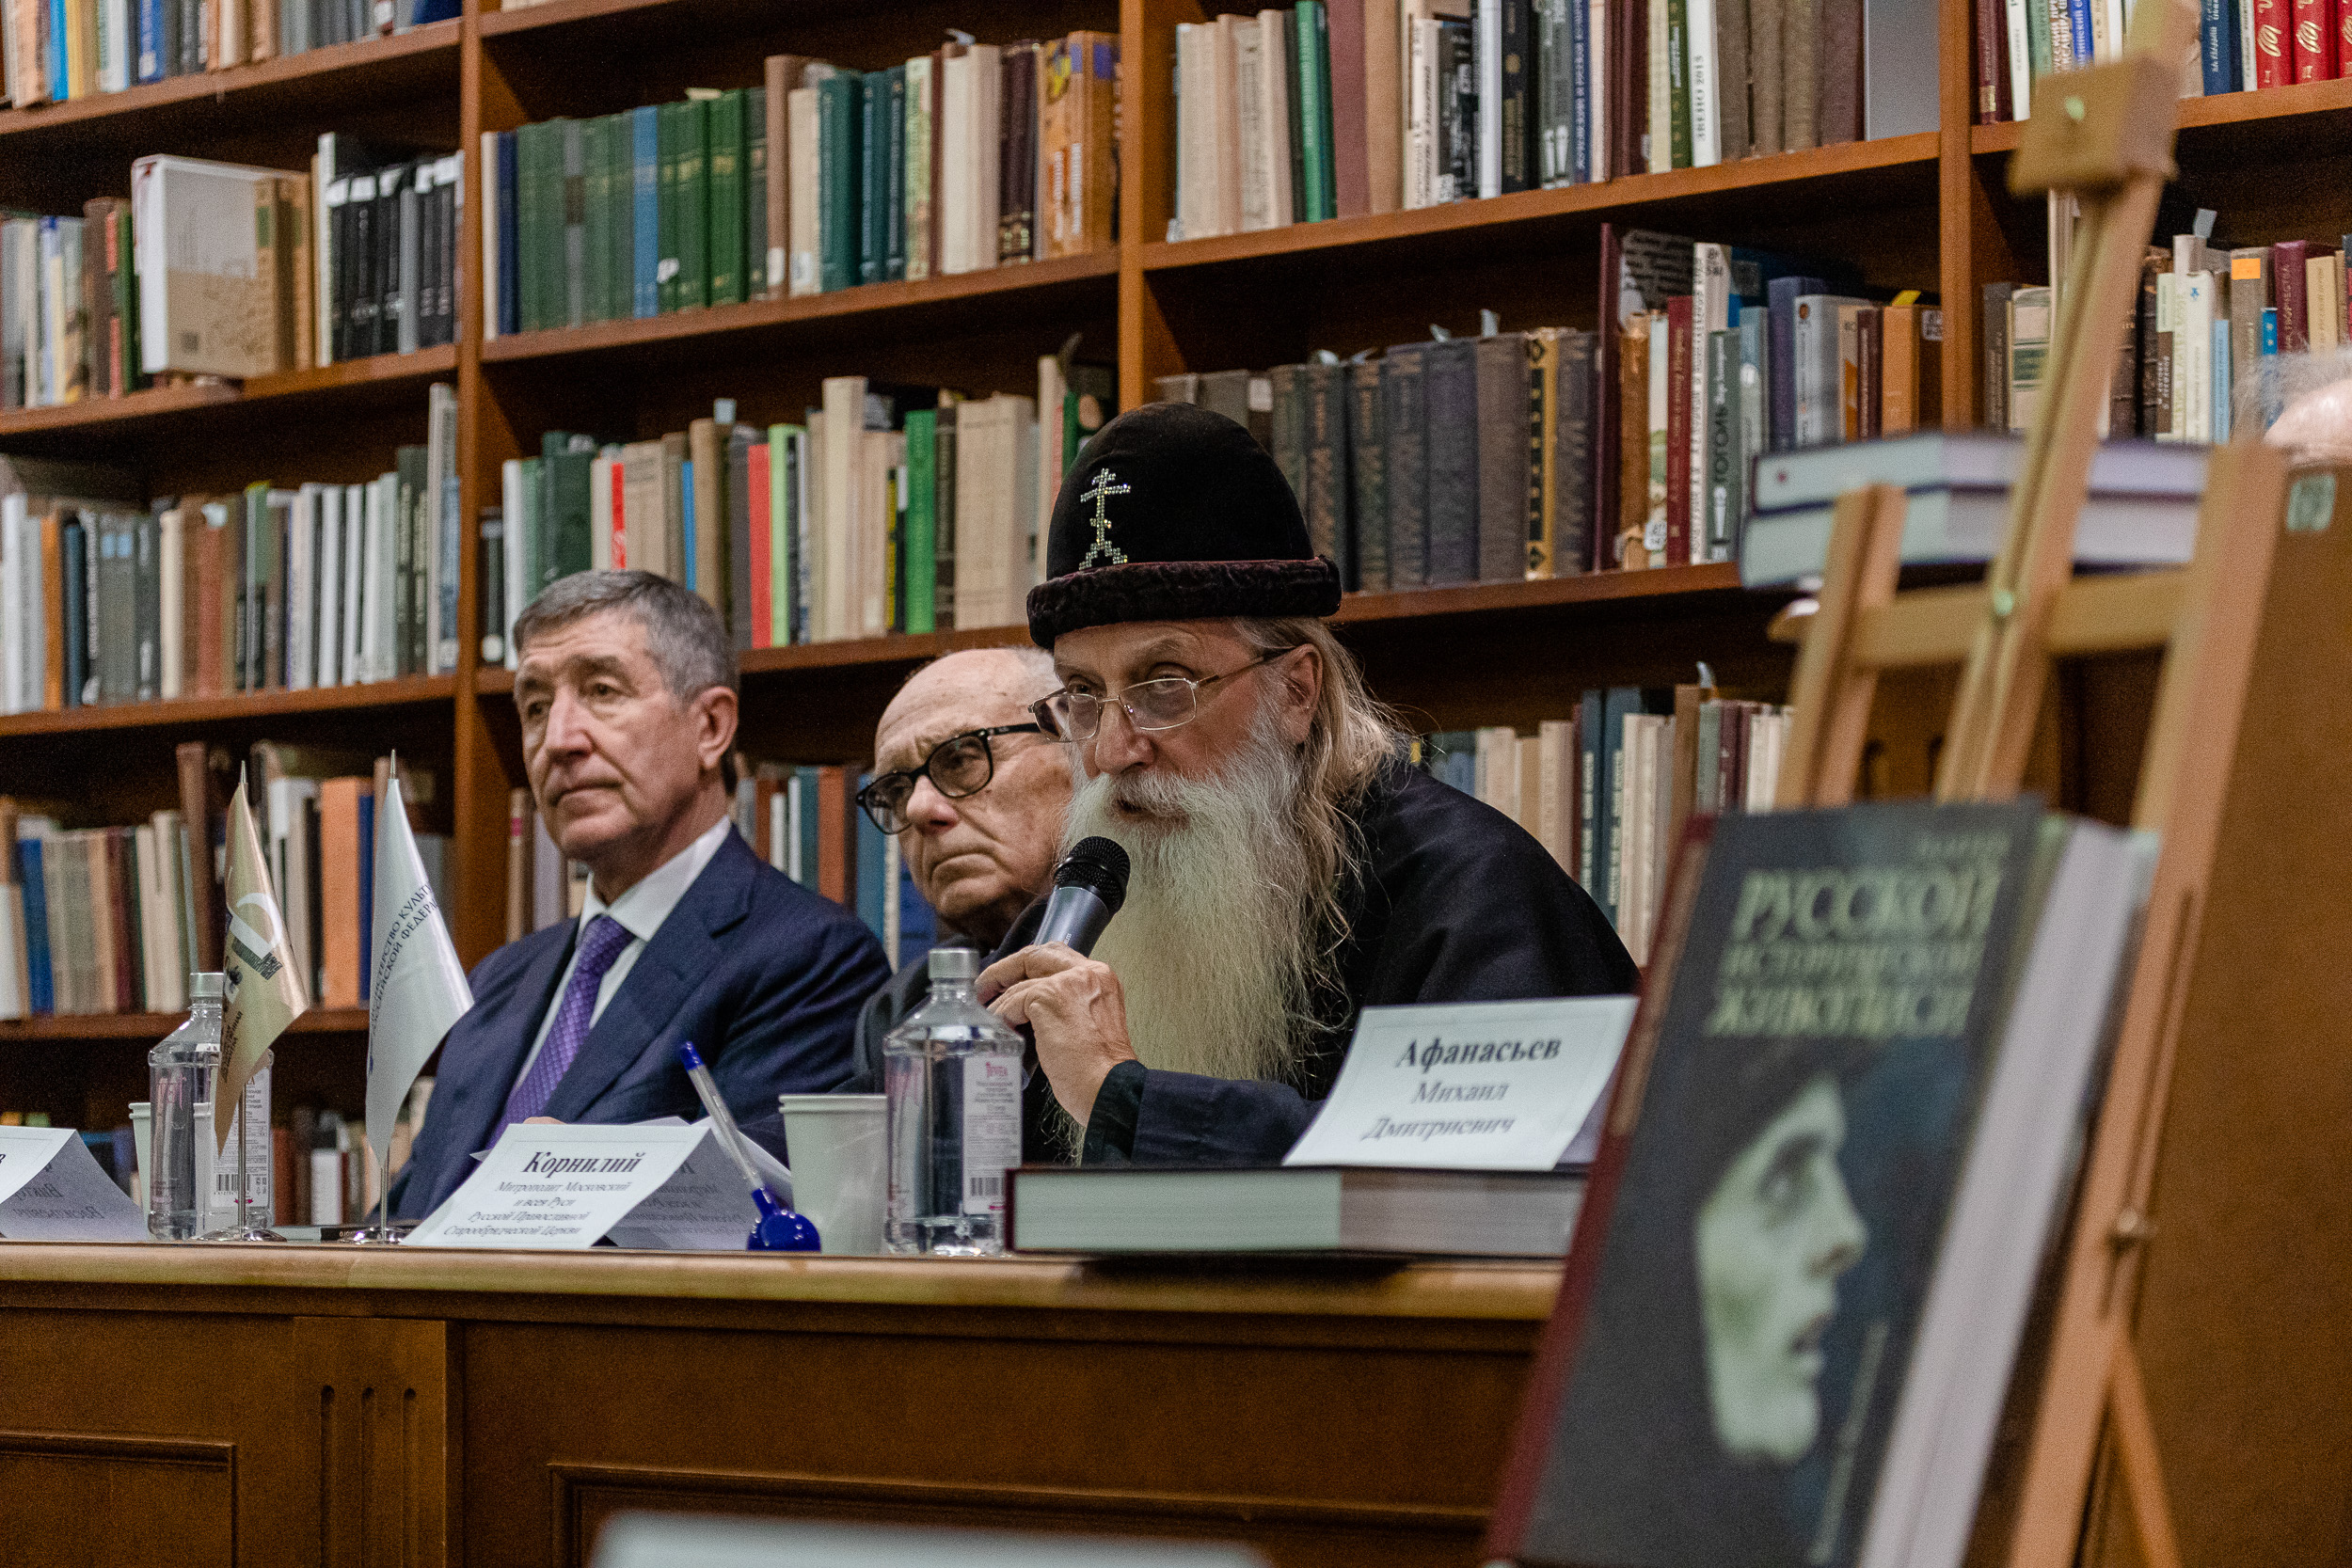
[[693, 204], [754, 192], [837, 105], [1314, 110], [893, 194], [1679, 77], [873, 178], [529, 311], [597, 212], [782, 535], [533, 523], [917, 558], [673, 132], [725, 239], [555, 291], [620, 222], [565, 460]]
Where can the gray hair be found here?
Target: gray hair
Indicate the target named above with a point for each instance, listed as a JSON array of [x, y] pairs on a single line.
[[684, 634]]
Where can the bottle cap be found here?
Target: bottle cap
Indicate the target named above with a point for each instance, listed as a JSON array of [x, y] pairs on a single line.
[[207, 986], [954, 964]]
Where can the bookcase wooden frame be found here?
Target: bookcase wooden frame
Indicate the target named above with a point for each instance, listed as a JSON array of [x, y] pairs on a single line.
[[1938, 190]]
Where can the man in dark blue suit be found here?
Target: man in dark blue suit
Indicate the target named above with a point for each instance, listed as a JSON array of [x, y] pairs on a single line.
[[626, 693]]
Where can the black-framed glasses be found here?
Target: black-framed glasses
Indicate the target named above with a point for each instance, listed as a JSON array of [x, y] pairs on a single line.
[[959, 765], [1167, 703]]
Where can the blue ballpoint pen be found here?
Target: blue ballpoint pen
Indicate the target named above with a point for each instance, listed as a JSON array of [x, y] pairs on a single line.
[[779, 1228]]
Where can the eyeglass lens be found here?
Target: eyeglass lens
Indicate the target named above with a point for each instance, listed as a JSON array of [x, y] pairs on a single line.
[[1161, 705], [957, 767]]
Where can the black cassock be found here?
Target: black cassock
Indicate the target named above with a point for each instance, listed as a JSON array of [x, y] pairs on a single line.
[[1458, 904]]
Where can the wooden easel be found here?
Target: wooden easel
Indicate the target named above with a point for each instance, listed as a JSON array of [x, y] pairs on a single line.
[[2243, 608]]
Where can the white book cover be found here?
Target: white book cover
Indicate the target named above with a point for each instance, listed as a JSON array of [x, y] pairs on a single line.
[[1487, 52], [1660, 150], [600, 516], [1596, 85], [1706, 140], [204, 306], [979, 144], [328, 649], [1421, 123], [358, 599], [517, 525], [171, 530], [376, 636], [1274, 84], [490, 276], [302, 590], [839, 461], [2020, 59], [2192, 359], [801, 199], [12, 540], [16, 981], [1711, 313], [1250, 75], [1225, 130]]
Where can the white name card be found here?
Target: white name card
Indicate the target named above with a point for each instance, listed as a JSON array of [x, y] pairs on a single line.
[[1469, 1085], [52, 1190], [558, 1187]]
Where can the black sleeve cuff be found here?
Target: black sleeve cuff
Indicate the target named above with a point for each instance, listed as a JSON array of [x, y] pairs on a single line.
[[1111, 1130]]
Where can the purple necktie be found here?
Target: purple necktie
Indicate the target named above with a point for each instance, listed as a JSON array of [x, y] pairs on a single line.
[[598, 946]]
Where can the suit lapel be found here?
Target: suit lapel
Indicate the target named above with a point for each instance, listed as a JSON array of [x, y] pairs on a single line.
[[506, 1028], [683, 954]]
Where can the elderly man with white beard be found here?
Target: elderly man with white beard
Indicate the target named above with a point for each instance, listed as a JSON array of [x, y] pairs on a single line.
[[1290, 867]]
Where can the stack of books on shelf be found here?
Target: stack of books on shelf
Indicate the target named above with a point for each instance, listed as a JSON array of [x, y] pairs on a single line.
[[803, 821], [268, 269], [974, 156], [1605, 791], [1553, 451], [61, 50], [109, 913], [276, 588], [1319, 110], [2242, 46], [2208, 317], [889, 509]]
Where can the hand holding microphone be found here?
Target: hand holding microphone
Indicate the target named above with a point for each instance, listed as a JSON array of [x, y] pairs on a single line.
[[1071, 1003]]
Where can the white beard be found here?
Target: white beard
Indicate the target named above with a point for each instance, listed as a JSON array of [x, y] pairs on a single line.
[[1212, 945]]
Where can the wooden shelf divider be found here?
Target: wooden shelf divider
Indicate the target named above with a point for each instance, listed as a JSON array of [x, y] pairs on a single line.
[[188, 711], [151, 1028]]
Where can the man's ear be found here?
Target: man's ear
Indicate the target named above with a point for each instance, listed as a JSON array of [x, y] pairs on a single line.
[[716, 711], [1300, 673]]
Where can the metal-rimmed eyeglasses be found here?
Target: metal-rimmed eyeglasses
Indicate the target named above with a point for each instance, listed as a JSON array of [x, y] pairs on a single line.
[[1167, 703], [960, 766]]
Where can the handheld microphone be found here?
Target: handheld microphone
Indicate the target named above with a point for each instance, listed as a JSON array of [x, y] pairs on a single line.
[[1090, 885]]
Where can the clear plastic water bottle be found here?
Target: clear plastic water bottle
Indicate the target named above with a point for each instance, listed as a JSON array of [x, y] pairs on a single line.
[[951, 1075], [191, 1187]]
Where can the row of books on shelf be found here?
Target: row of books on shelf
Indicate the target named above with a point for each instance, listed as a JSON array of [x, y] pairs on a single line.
[[2242, 46], [1605, 790], [265, 270], [804, 821], [55, 51], [972, 156], [1319, 110], [2206, 320], [274, 588], [105, 919], [888, 509]]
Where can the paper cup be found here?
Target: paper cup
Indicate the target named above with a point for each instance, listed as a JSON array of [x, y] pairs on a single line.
[[840, 1169]]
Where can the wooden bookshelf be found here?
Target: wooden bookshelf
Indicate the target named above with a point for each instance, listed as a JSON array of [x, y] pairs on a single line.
[[210, 411], [151, 1028], [195, 712]]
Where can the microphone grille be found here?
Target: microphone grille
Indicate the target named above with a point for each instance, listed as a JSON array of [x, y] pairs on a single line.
[[1099, 866]]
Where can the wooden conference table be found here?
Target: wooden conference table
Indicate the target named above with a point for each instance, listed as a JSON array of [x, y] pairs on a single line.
[[338, 1405]]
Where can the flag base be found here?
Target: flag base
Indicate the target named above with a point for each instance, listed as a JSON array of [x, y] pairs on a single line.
[[242, 1233]]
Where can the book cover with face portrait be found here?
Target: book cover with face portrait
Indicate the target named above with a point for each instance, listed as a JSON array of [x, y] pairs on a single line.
[[1803, 1120]]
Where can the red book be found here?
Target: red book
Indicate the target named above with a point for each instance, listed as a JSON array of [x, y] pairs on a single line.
[[836, 837], [2290, 286], [763, 589], [1992, 101], [2344, 37], [1350, 167], [1678, 430], [2314, 41], [2272, 52], [620, 517]]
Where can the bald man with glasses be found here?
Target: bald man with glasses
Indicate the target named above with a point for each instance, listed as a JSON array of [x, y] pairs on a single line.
[[974, 790]]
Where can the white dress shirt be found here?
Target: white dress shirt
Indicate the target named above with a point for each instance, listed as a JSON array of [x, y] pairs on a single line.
[[640, 911]]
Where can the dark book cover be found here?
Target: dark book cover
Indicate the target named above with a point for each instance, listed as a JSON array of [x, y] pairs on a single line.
[[1458, 97], [1289, 445], [1351, 168], [755, 280], [620, 218], [147, 555], [1504, 393], [563, 470], [510, 259], [41, 986], [2292, 294], [385, 284], [837, 188], [357, 246], [1451, 389], [1404, 422], [1679, 82], [1627, 96], [1302, 204], [596, 219], [1731, 78], [1717, 1381], [894, 186], [873, 245], [1678, 369], [1519, 95], [2153, 264], [944, 523], [693, 203], [1573, 448], [1780, 326], [1991, 39], [1016, 198], [1727, 468], [1840, 72], [1870, 369], [117, 639], [1608, 805], [723, 244], [1996, 364], [1329, 528], [73, 554], [1606, 414], [1368, 475]]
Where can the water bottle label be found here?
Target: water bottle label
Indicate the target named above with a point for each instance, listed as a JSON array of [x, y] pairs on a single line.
[[992, 1128]]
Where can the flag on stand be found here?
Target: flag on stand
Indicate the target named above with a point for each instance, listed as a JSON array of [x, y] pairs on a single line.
[[417, 989], [265, 989]]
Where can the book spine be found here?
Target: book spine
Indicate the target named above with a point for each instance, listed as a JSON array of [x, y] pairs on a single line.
[[1452, 388], [1404, 418], [693, 204], [2273, 50], [725, 245], [1368, 454], [1678, 371], [1315, 111]]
